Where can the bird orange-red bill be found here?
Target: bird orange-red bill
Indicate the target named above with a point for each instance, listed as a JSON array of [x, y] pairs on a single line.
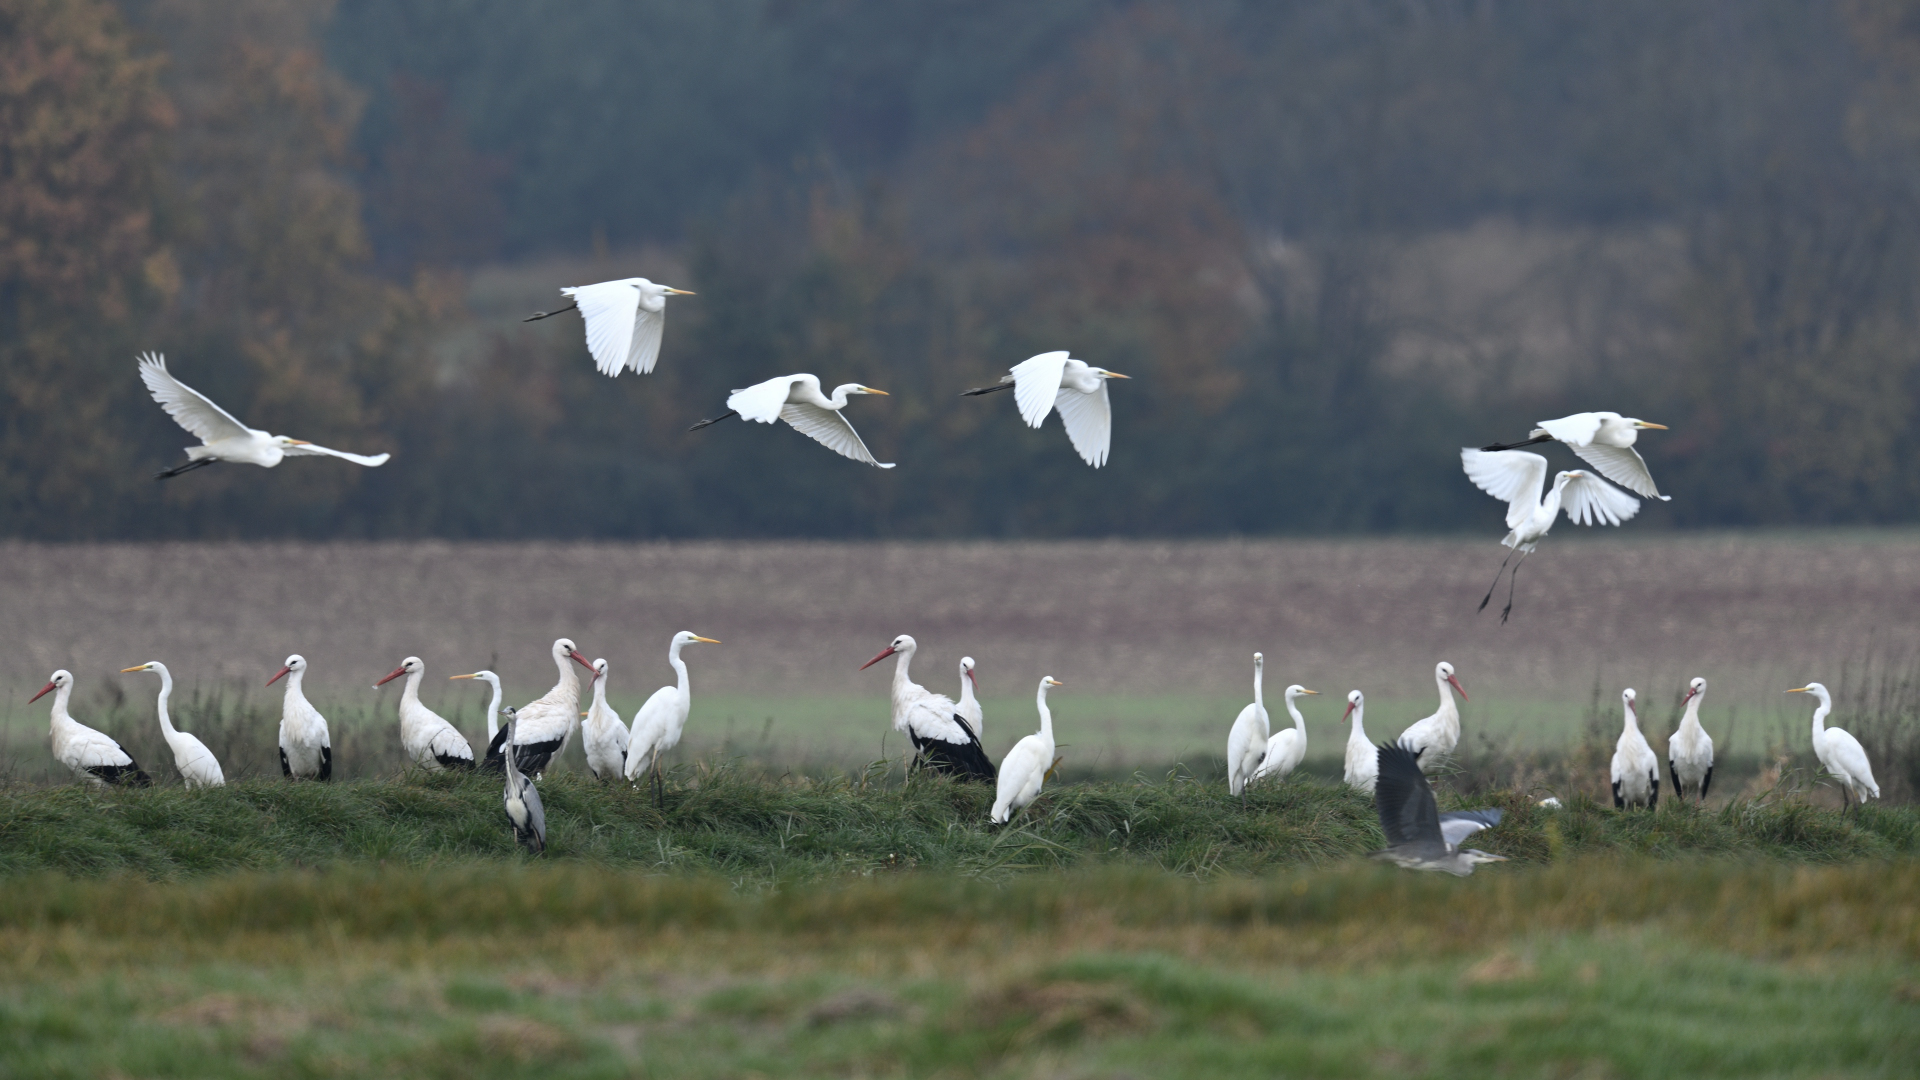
[[41, 694], [397, 672], [884, 653], [277, 675]]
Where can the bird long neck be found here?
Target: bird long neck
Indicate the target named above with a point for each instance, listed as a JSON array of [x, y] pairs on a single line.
[[1046, 715], [902, 679], [294, 690], [966, 689], [600, 693], [60, 696], [493, 712], [166, 692], [1819, 714], [1632, 721], [680, 670], [1692, 715], [410, 693], [1359, 726], [568, 688], [1448, 707], [1299, 722], [1259, 695]]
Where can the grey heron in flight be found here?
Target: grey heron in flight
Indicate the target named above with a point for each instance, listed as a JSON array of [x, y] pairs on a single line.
[[1419, 837]]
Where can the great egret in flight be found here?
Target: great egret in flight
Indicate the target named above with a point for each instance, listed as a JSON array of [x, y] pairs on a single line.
[[1517, 478], [1247, 739], [92, 755], [1053, 380], [197, 765], [224, 438], [942, 739], [1434, 738], [1419, 837], [1287, 747], [624, 319], [659, 723], [430, 742], [544, 725], [1837, 749], [306, 747], [797, 400], [1636, 771], [1690, 750], [1605, 441], [1025, 767]]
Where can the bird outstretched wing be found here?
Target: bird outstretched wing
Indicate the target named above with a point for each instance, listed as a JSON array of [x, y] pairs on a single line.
[[608, 309], [1576, 430], [763, 400], [648, 327], [1515, 477], [1589, 500], [830, 429], [1088, 419], [189, 407], [313, 450], [1457, 825], [1404, 800], [1623, 465], [1036, 381]]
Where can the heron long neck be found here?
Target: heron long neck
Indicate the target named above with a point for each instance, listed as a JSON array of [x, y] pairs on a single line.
[[1299, 722], [493, 711], [1259, 697], [1046, 715], [680, 670], [1550, 505], [1819, 714], [166, 692]]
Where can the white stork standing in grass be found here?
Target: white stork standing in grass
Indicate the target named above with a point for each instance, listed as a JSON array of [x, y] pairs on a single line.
[[968, 707], [603, 734], [797, 400], [429, 740], [942, 741], [659, 723], [92, 755], [197, 765], [521, 798], [1363, 761], [306, 747], [1247, 739], [1837, 749], [1286, 748], [1432, 740], [625, 321], [224, 438], [542, 727], [1636, 770], [493, 706], [1054, 381], [1605, 441], [1690, 750], [1024, 769]]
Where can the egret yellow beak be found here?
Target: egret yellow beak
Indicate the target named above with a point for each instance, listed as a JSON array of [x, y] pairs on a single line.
[[459, 676], [1117, 375], [882, 393], [1798, 690], [708, 640], [682, 292], [140, 667], [1645, 424], [1306, 691], [298, 442]]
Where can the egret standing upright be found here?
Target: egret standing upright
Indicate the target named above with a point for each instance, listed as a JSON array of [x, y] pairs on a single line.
[[659, 723], [1247, 740], [1839, 751], [1024, 769], [1287, 747], [197, 765]]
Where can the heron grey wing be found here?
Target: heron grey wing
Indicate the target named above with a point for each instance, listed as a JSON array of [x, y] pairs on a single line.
[[536, 817], [1457, 825], [1404, 799]]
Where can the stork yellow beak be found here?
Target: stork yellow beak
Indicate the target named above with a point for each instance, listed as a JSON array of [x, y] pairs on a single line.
[[137, 667], [1645, 424], [708, 640]]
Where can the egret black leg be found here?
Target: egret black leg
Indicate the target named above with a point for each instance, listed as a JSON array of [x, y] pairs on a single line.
[[1497, 447], [550, 314], [188, 467], [978, 390], [715, 420], [1512, 579], [1496, 582], [659, 791]]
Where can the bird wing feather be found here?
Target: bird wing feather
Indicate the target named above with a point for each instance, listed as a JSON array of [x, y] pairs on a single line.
[[314, 450], [90, 749], [1088, 419], [189, 407], [1457, 825], [1623, 465], [608, 309], [763, 400], [830, 429], [648, 328], [1515, 477], [1589, 500], [1036, 382], [1404, 799], [1576, 430]]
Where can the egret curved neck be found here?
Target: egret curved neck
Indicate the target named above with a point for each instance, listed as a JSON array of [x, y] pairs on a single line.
[[493, 711], [1293, 710], [1819, 715], [1046, 714], [166, 693]]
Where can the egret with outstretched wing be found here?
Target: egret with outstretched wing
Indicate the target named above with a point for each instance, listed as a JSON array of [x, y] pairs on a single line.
[[625, 321], [1054, 381], [1517, 478], [223, 437], [1603, 440], [797, 400]]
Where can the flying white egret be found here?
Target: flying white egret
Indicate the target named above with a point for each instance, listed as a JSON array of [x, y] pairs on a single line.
[[625, 320], [603, 734], [1363, 764], [1838, 750], [659, 723], [797, 400], [1024, 769], [1053, 380], [1419, 837], [1690, 750], [522, 799], [306, 747], [1517, 478], [968, 707], [197, 765], [1247, 739], [428, 739], [543, 726], [1636, 771], [1434, 738], [493, 706], [1287, 747], [1605, 441], [224, 438], [92, 755], [942, 740]]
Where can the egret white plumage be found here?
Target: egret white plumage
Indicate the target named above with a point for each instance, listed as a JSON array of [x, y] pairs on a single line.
[[1518, 478], [1433, 739], [797, 400], [1605, 441], [625, 321], [1055, 381], [942, 741], [197, 765], [522, 799], [1636, 771], [224, 438], [968, 707], [306, 746], [1419, 837], [493, 706], [1690, 749], [1024, 770], [543, 726], [603, 734], [1841, 753], [1247, 739], [659, 723], [1362, 762], [428, 739], [1286, 748], [92, 755]]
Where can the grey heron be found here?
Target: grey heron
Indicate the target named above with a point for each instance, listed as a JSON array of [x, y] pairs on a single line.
[[524, 812], [1419, 837]]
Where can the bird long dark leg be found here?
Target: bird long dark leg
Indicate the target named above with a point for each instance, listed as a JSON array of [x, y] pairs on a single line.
[[1511, 579], [1495, 583], [715, 420], [659, 789], [978, 390], [188, 467], [1516, 445], [550, 314]]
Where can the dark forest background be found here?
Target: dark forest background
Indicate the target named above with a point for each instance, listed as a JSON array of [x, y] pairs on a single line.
[[1332, 240]]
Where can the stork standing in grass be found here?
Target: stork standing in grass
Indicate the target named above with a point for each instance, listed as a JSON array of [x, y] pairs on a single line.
[[1433, 739], [602, 733], [1636, 770], [968, 707], [306, 746], [1247, 739], [941, 740], [542, 727], [197, 765], [92, 755], [1845, 759], [1024, 770], [659, 723], [1690, 750], [430, 742], [1286, 748]]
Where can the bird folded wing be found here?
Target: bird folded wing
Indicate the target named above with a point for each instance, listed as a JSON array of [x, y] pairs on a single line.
[[1589, 500], [648, 328], [312, 450], [1088, 419], [830, 429], [1576, 430], [189, 407], [94, 750], [608, 309], [762, 401], [1035, 383], [1515, 477], [1403, 798], [1623, 466]]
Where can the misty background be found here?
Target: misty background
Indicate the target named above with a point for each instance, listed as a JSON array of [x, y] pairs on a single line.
[[1332, 240]]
